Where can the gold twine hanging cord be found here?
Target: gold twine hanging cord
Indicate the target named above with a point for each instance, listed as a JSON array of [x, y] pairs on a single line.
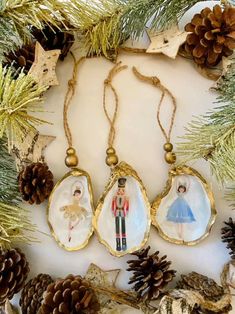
[[71, 159], [111, 159], [170, 156]]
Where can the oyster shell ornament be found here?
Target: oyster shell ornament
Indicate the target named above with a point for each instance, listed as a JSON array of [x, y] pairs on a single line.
[[122, 218], [70, 207], [185, 211], [70, 210]]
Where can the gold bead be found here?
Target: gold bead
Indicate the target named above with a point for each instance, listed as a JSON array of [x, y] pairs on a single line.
[[170, 157], [71, 159], [112, 160], [168, 147], [110, 151], [71, 151]]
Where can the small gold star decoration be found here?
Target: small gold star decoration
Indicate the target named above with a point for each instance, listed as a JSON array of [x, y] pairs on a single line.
[[43, 67], [166, 42], [104, 284], [31, 148]]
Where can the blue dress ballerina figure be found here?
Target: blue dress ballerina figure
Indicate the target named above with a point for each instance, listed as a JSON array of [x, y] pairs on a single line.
[[180, 212]]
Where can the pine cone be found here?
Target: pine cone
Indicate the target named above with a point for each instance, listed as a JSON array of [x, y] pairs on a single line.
[[21, 58], [70, 296], [52, 38], [228, 236], [151, 274], [35, 182], [14, 270], [32, 293], [212, 35], [207, 287]]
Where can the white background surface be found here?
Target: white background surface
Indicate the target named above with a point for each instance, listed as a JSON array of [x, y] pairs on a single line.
[[139, 142]]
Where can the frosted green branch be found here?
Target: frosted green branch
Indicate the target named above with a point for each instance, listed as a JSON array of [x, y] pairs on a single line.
[[212, 137], [18, 99], [9, 192], [103, 23], [15, 226]]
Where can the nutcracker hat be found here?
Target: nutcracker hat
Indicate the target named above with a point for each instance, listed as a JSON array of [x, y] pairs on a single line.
[[121, 182]]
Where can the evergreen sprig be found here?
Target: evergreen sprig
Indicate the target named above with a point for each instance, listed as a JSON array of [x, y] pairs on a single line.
[[103, 23], [15, 226], [17, 16], [9, 192], [100, 24], [162, 13], [106, 24], [18, 99], [212, 137]]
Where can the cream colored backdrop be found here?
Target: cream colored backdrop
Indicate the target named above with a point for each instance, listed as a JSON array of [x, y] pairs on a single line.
[[139, 142]]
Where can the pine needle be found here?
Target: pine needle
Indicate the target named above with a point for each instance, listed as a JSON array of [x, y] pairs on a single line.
[[100, 25], [18, 97], [104, 24], [212, 137], [15, 226], [9, 192]]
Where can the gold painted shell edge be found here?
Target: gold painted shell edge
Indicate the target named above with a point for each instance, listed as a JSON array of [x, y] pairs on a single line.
[[74, 172], [121, 170], [156, 203]]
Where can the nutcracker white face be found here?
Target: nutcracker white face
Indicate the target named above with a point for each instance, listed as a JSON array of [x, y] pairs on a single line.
[[184, 212], [122, 218], [70, 210]]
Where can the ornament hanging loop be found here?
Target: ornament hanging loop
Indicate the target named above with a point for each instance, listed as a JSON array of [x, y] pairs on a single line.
[[111, 158], [71, 159], [170, 156]]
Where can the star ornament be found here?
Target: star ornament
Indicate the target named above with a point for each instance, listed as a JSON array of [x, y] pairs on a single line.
[[167, 42], [31, 148], [43, 67]]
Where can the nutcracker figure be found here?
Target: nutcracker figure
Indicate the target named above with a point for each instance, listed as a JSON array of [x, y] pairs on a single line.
[[120, 208]]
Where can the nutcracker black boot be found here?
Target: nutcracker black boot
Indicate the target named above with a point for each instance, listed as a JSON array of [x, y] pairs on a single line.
[[118, 241], [124, 246]]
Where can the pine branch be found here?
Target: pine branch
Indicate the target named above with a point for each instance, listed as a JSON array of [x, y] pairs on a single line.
[[230, 195], [18, 97], [9, 192], [16, 16], [212, 137], [105, 24], [100, 24], [163, 14], [15, 226], [23, 13]]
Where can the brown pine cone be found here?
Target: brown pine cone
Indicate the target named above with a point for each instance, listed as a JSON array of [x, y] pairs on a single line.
[[207, 287], [70, 296], [35, 182], [151, 274], [21, 58], [228, 236], [52, 38], [14, 270], [32, 293], [212, 35]]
